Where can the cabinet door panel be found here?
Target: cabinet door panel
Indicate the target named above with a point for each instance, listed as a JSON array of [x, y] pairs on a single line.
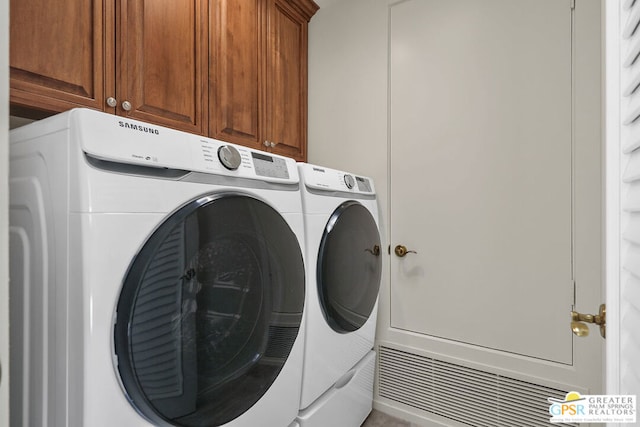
[[286, 80], [236, 55], [56, 54], [162, 62]]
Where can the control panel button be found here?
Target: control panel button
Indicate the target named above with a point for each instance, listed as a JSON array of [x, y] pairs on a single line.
[[229, 157], [349, 181]]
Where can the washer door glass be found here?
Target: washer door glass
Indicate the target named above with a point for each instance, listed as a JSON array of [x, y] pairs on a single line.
[[349, 267], [209, 311]]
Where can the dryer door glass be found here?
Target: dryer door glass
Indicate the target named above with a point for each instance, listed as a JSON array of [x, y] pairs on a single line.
[[209, 311], [349, 267]]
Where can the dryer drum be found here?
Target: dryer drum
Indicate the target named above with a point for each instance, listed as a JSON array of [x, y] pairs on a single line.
[[209, 311]]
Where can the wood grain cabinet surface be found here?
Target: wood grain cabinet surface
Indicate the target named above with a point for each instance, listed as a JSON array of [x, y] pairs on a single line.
[[233, 70], [161, 62], [258, 74], [57, 54], [136, 58], [236, 79], [286, 75]]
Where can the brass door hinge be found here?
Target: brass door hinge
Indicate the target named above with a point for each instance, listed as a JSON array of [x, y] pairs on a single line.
[[579, 322]]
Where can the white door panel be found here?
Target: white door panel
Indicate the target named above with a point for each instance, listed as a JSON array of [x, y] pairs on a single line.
[[481, 144], [493, 182]]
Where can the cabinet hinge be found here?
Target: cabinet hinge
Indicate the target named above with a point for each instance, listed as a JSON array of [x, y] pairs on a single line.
[[572, 4], [573, 305]]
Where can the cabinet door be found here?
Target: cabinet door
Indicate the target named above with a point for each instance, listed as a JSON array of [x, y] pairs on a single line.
[[57, 54], [286, 80], [162, 62], [236, 54]]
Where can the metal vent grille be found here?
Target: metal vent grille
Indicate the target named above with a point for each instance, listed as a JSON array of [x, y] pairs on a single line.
[[466, 395]]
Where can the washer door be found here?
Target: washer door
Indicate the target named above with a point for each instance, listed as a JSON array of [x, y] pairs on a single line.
[[209, 311], [349, 267]]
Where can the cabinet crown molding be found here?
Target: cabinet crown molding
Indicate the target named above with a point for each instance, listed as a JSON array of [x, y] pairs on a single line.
[[307, 8]]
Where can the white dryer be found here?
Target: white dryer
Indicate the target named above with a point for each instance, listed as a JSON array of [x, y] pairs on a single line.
[[344, 265], [157, 278]]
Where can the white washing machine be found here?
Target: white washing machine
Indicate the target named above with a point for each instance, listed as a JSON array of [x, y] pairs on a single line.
[[344, 265], [157, 278]]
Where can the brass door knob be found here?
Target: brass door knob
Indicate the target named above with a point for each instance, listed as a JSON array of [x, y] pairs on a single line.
[[402, 250]]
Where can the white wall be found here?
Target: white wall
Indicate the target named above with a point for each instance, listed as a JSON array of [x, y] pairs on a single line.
[[4, 243], [348, 93]]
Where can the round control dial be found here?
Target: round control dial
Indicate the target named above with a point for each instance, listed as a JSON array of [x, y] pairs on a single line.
[[349, 181], [229, 157]]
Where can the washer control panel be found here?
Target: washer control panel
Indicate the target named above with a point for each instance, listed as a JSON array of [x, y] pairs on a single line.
[[229, 156], [244, 160], [116, 139], [269, 166]]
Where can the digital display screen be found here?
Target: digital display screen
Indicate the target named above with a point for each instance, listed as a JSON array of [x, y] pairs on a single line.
[[273, 167], [262, 157], [363, 184]]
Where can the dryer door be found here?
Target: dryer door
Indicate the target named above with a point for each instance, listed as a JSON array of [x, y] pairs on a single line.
[[349, 267], [209, 311]]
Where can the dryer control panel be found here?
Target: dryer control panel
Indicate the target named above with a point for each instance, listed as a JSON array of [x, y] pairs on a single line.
[[326, 179], [122, 140]]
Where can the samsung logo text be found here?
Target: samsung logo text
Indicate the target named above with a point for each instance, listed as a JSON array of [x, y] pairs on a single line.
[[138, 128]]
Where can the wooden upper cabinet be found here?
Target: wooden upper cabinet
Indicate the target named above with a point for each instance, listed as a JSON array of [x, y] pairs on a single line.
[[162, 62], [236, 80], [148, 57], [286, 78], [258, 74], [235, 70], [57, 54]]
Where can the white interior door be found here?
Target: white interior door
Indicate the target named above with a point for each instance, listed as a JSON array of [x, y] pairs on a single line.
[[491, 179]]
